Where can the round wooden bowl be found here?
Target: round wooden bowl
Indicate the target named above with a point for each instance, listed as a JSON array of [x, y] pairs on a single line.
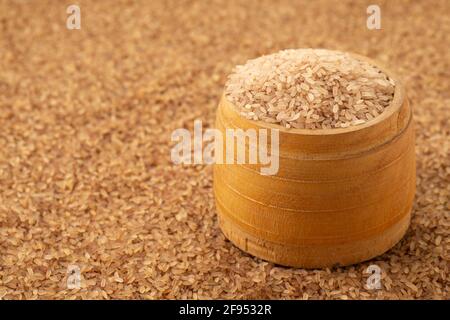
[[341, 196]]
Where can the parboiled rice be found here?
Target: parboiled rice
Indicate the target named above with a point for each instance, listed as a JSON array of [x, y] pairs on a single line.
[[86, 172], [310, 88]]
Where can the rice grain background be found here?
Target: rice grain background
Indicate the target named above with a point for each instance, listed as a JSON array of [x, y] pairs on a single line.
[[86, 117]]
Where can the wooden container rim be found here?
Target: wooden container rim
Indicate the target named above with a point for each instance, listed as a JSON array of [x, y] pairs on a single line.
[[394, 106]]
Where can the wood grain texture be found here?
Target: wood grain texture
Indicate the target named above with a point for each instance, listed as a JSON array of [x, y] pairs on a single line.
[[341, 196]]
